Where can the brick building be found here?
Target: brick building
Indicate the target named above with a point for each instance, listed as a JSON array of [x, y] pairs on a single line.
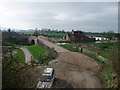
[[78, 36]]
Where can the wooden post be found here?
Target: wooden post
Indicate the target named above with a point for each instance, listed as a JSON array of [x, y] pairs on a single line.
[[81, 49]]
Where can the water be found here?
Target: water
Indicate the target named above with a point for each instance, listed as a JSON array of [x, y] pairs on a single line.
[[61, 43], [98, 42]]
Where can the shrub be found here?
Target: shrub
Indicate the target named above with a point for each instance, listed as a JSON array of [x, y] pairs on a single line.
[[114, 57]]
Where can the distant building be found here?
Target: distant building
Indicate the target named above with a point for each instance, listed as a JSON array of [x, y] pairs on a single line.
[[100, 38], [78, 36]]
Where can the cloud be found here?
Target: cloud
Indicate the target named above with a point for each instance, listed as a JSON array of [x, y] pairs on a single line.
[[90, 16], [63, 0], [62, 16]]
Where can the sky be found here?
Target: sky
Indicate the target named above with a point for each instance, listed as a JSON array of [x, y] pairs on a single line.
[[85, 16]]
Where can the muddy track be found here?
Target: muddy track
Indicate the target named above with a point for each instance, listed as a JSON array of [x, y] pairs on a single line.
[[78, 70]]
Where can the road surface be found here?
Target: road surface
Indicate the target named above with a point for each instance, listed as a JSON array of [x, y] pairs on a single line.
[[51, 45], [78, 70], [28, 55]]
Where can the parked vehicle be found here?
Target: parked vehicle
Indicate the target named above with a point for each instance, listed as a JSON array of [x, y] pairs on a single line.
[[47, 78]]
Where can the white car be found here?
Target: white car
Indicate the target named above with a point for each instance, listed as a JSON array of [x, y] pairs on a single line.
[[46, 79]]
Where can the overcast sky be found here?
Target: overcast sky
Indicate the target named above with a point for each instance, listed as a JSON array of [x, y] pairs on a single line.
[[85, 16]]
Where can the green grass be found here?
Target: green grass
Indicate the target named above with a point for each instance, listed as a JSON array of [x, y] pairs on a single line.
[[102, 45], [36, 51], [41, 53], [95, 34], [55, 34], [25, 32], [107, 76], [19, 55]]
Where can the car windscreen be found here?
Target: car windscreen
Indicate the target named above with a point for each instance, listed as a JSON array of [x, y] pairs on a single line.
[[46, 78]]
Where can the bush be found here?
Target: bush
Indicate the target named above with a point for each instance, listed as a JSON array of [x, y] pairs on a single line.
[[114, 57], [14, 73]]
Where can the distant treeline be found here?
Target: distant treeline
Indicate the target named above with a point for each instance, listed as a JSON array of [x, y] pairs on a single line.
[[56, 32], [42, 31], [51, 31]]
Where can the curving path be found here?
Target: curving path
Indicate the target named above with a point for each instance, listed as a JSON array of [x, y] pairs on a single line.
[[28, 55]]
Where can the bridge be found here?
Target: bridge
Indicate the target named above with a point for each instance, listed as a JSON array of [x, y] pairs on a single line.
[[34, 39]]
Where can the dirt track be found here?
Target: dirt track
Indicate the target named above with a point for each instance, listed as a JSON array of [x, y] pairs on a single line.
[[77, 70]]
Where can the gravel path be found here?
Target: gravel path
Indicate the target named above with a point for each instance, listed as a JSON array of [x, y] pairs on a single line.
[[28, 55], [78, 70]]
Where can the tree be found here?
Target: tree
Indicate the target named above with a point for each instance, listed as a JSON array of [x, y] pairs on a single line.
[[9, 30], [36, 33], [63, 31], [110, 35]]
